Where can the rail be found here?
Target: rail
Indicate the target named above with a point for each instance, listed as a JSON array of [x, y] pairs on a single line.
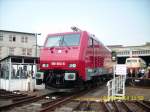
[[19, 102], [113, 106]]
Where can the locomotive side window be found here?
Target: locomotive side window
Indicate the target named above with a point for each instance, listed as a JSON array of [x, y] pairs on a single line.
[[96, 44], [90, 42]]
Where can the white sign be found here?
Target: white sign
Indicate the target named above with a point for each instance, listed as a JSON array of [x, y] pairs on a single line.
[[70, 76], [120, 69]]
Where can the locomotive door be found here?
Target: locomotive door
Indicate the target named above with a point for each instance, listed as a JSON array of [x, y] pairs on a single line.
[[92, 54], [95, 54]]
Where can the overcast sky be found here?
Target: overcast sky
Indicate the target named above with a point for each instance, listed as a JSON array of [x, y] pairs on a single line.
[[125, 22]]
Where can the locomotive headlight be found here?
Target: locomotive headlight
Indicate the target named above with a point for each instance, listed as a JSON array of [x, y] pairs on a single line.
[[72, 65], [44, 65]]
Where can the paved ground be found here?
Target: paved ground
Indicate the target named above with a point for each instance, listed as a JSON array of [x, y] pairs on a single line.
[[138, 91], [130, 91], [101, 91]]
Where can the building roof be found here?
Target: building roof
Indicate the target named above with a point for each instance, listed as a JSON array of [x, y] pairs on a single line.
[[115, 46], [17, 57], [121, 46], [17, 32]]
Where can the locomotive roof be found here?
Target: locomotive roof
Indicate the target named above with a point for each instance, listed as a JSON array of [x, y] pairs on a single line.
[[62, 33], [78, 32]]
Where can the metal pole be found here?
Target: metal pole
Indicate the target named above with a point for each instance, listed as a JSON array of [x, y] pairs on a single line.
[[124, 85], [36, 34], [0, 76], [9, 73], [36, 45], [114, 80]]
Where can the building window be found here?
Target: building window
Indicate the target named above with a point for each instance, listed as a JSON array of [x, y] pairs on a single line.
[[24, 39], [0, 50], [11, 50], [136, 52], [146, 51], [23, 51], [14, 38], [1, 36], [29, 52], [140, 52], [133, 52], [10, 38]]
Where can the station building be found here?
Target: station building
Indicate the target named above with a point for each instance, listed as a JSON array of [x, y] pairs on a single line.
[[124, 52], [19, 54]]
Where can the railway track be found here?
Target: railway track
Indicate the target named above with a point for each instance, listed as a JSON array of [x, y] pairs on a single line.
[[18, 99], [67, 99], [113, 106], [62, 102], [32, 103], [11, 94], [68, 104], [43, 103]]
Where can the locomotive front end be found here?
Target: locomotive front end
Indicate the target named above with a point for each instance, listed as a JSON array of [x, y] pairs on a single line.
[[60, 60]]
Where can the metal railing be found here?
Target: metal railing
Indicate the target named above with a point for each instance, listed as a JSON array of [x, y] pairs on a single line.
[[116, 87]]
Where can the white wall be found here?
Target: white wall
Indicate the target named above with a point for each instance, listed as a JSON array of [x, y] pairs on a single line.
[[16, 84], [19, 84]]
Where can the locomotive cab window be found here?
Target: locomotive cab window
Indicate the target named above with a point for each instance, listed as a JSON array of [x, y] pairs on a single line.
[[133, 61], [63, 40], [71, 40], [53, 41]]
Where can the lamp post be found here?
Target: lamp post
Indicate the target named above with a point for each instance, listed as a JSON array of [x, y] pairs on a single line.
[[36, 35]]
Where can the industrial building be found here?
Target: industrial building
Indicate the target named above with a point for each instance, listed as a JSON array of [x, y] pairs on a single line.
[[124, 52], [18, 59], [18, 43]]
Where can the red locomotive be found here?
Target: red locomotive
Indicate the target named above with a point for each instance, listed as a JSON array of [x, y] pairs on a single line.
[[74, 59]]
